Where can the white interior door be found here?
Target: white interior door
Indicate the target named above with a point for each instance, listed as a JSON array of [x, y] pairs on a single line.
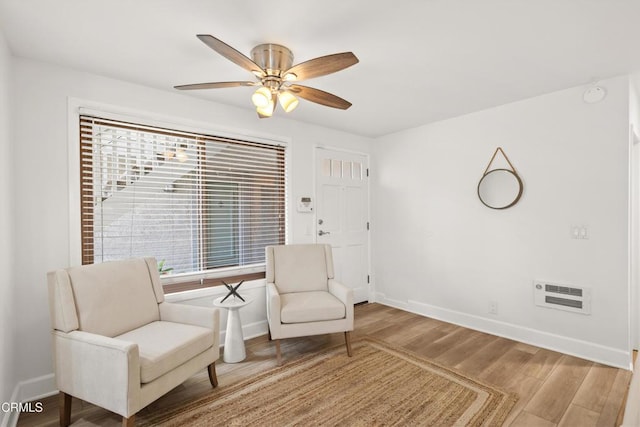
[[342, 215]]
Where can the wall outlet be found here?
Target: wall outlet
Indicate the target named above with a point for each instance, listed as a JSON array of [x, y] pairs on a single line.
[[493, 307], [579, 232]]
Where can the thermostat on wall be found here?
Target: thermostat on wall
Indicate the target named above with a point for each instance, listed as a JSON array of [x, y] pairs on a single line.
[[305, 204]]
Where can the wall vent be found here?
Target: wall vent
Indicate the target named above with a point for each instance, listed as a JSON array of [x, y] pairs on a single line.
[[562, 297]]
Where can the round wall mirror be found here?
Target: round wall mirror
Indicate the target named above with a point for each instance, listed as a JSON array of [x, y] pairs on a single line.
[[500, 189]]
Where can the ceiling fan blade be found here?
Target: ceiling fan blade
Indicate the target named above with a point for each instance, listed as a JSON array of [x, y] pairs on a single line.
[[214, 85], [322, 66], [231, 54], [319, 96]]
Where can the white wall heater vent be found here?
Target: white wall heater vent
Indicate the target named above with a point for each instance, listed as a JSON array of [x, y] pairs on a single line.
[[562, 297]]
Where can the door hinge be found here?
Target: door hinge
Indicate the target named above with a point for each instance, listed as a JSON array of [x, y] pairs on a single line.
[[368, 279], [367, 225]]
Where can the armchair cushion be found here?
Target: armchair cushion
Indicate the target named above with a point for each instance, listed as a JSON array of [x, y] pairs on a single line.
[[299, 268], [164, 346], [315, 306], [113, 297]]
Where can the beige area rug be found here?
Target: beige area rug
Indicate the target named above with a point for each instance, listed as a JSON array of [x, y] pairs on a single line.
[[379, 385]]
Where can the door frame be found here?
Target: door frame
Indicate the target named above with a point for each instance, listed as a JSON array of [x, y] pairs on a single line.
[[371, 285]]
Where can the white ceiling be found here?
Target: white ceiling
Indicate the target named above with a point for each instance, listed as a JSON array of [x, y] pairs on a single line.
[[420, 60]]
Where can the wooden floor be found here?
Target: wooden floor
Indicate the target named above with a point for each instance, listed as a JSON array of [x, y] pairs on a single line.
[[554, 389]]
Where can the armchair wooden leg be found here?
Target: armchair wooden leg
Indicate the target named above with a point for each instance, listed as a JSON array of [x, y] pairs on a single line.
[[64, 401], [213, 378], [347, 340], [278, 353], [129, 422]]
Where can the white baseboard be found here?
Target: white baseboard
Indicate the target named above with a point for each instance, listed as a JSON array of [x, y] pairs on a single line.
[[382, 299], [30, 390], [250, 330], [10, 419], [37, 388], [567, 345]]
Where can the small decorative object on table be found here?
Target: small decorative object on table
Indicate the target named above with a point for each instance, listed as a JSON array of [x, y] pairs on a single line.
[[233, 290]]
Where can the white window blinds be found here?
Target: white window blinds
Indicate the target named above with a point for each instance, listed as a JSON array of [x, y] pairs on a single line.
[[195, 202]]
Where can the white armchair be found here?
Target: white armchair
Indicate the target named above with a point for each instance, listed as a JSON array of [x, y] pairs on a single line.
[[118, 344], [303, 298]]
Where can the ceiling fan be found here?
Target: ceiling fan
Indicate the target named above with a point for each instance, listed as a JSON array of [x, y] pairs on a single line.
[[272, 65]]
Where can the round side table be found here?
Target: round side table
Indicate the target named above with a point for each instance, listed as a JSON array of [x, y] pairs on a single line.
[[233, 341]]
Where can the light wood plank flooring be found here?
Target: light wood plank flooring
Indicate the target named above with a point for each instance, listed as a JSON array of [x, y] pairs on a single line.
[[554, 389]]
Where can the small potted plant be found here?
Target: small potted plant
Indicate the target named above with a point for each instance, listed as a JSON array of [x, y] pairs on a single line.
[[162, 270]]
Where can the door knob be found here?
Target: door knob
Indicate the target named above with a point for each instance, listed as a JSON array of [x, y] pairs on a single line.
[[322, 233]]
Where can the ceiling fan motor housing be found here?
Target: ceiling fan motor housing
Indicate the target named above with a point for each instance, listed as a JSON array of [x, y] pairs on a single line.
[[273, 58]]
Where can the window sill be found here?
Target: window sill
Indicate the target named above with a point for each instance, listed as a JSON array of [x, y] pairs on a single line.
[[179, 283], [212, 291]]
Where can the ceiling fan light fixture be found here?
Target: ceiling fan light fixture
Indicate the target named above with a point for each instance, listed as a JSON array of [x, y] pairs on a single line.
[[267, 110], [261, 97], [288, 102]]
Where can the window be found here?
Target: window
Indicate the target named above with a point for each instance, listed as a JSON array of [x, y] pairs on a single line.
[[195, 202]]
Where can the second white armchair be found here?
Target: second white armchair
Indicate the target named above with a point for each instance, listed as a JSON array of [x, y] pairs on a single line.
[[303, 297]]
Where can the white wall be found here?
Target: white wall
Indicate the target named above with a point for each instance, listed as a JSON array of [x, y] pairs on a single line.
[[42, 188], [438, 251], [7, 323]]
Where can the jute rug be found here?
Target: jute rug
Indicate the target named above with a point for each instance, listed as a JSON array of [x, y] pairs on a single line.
[[379, 385]]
